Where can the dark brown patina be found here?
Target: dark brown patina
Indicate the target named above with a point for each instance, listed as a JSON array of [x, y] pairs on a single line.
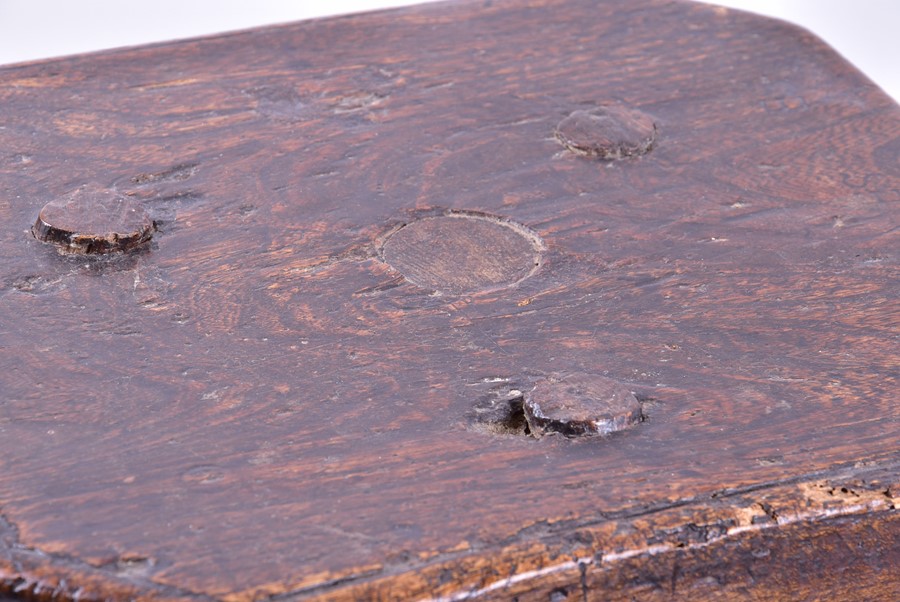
[[372, 251]]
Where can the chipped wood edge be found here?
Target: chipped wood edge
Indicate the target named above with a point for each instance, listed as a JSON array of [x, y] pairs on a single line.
[[578, 560]]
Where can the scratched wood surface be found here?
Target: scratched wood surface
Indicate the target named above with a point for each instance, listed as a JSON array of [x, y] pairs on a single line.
[[396, 260]]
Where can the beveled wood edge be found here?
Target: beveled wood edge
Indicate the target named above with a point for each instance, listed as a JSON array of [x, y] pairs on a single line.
[[435, 12], [541, 558]]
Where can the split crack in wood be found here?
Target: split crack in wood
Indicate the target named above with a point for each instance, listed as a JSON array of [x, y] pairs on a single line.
[[130, 575], [176, 173], [691, 532]]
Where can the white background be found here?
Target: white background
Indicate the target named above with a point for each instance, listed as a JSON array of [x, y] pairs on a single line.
[[867, 32]]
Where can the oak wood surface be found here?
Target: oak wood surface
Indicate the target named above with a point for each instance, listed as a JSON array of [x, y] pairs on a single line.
[[258, 403]]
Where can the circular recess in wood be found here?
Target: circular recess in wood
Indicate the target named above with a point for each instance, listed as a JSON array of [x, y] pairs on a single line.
[[608, 132], [462, 252], [93, 221], [580, 404]]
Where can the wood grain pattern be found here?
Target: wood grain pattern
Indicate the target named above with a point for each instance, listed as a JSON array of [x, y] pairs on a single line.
[[459, 253], [256, 405]]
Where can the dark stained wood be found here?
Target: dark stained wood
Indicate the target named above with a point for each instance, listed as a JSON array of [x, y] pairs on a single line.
[[376, 239]]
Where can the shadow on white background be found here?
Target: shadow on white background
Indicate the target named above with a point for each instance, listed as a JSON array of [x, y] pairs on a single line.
[[864, 31]]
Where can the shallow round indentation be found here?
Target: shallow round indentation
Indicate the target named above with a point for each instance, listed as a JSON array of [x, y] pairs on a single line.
[[580, 404], [460, 253], [93, 221], [203, 475], [609, 132]]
